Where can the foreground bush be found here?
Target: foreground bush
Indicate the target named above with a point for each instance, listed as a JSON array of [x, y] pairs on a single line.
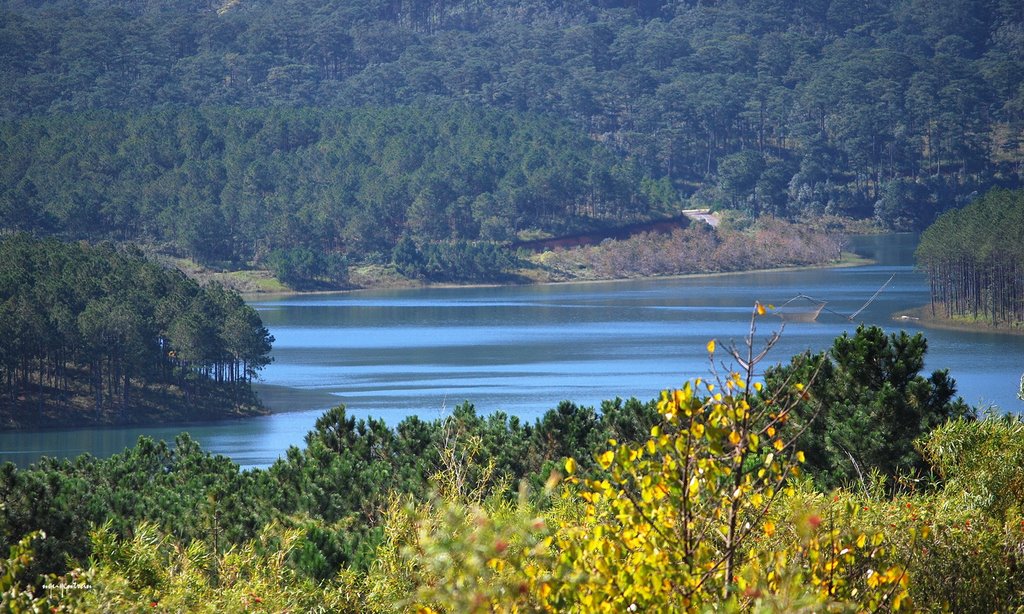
[[707, 509], [674, 523]]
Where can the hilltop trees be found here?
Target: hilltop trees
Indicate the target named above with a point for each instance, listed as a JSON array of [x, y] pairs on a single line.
[[974, 259], [303, 192], [894, 110], [95, 321]]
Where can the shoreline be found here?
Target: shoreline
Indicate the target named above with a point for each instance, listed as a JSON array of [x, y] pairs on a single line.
[[153, 407], [923, 316], [847, 261], [144, 424]]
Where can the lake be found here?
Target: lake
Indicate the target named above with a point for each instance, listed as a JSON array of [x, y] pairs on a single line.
[[391, 354]]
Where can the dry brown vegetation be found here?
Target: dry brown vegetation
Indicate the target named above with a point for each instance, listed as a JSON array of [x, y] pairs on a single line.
[[769, 243]]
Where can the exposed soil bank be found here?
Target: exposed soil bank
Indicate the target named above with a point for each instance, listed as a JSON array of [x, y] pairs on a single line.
[[848, 260], [40, 408]]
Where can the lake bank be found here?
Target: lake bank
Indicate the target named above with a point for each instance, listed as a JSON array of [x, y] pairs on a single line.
[[848, 260], [43, 410], [923, 316], [153, 409], [745, 247]]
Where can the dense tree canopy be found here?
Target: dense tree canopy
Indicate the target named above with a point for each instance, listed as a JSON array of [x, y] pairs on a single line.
[[344, 478], [100, 334], [898, 109], [974, 259], [299, 189], [868, 403]]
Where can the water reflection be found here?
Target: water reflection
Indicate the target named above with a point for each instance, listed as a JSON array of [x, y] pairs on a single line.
[[391, 354]]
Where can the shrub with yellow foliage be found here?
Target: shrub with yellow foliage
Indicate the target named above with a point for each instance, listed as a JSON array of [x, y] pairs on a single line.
[[674, 523]]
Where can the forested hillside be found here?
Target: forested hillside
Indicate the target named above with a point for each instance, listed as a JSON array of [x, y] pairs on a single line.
[[238, 185], [516, 116], [97, 335]]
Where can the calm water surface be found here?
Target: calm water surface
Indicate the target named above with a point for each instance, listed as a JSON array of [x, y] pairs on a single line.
[[391, 354]]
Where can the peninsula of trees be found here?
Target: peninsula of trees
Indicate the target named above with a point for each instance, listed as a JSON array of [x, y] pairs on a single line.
[[974, 259], [99, 335]]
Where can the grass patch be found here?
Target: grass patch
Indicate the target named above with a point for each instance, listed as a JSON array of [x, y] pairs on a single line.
[[245, 281], [253, 281]]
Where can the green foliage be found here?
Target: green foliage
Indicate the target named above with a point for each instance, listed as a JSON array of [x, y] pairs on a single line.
[[974, 258], [100, 334], [866, 403], [690, 503], [487, 455], [453, 260], [302, 268], [306, 191], [467, 550], [981, 462], [904, 205], [957, 557], [843, 106], [453, 555], [190, 495], [673, 523], [183, 491], [679, 522], [150, 571], [407, 257], [16, 597], [738, 175]]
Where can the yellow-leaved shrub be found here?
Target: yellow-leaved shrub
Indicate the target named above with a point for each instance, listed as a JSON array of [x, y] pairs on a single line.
[[682, 521]]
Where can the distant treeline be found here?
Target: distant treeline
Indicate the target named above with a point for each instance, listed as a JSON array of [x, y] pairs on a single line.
[[892, 108], [974, 258], [97, 334], [232, 185]]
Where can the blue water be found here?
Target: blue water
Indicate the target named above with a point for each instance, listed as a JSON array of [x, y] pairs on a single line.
[[391, 354]]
